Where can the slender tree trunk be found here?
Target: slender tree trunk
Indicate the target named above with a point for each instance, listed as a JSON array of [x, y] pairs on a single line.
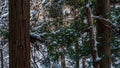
[[91, 33], [63, 59], [103, 34], [83, 62], [19, 43], [63, 64], [1, 52], [77, 54]]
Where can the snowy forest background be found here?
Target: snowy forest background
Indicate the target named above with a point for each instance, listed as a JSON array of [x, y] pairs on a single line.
[[58, 26]]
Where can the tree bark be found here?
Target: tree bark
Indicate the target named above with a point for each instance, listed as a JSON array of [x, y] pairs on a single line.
[[63, 61], [103, 34], [19, 42], [83, 62], [91, 33], [63, 64], [77, 54], [1, 52]]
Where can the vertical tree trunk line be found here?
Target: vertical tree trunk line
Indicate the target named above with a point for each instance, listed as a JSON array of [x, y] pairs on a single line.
[[83, 62], [19, 42], [91, 33], [103, 34], [62, 17], [77, 54], [1, 52], [63, 59]]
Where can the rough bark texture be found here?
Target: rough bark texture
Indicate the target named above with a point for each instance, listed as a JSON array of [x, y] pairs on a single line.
[[19, 43], [103, 34]]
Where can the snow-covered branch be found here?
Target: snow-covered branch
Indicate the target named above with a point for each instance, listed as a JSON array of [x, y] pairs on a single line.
[[110, 26], [103, 19], [35, 37]]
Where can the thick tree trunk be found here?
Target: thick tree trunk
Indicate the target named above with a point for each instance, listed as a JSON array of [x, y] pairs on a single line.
[[103, 34], [19, 43]]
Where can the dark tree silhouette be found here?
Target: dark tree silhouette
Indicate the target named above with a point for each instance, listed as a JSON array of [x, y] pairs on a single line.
[[19, 42], [103, 33]]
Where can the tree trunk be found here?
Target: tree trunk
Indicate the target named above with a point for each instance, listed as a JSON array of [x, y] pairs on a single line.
[[63, 61], [83, 62], [77, 54], [103, 34], [63, 64], [19, 42], [1, 52], [91, 33]]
